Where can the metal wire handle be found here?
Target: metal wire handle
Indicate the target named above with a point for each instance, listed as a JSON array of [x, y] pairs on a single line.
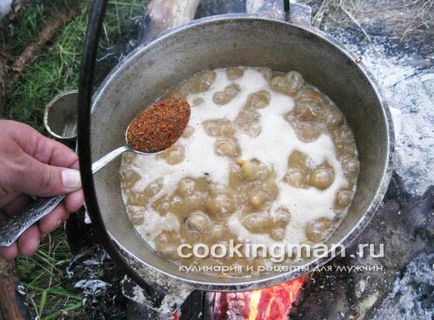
[[286, 9], [87, 70]]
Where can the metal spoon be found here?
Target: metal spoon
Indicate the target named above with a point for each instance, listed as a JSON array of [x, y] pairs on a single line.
[[11, 229]]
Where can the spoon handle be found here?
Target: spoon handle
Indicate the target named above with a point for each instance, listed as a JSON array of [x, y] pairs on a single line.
[[11, 229], [97, 165]]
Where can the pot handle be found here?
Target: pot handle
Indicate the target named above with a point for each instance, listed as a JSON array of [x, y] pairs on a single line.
[[290, 11], [86, 80]]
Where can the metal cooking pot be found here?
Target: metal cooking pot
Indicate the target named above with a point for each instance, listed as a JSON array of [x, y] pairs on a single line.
[[224, 41]]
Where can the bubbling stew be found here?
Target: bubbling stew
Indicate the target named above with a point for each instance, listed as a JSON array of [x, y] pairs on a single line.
[[266, 158]]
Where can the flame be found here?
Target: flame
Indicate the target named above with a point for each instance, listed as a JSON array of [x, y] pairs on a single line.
[[255, 297], [274, 302]]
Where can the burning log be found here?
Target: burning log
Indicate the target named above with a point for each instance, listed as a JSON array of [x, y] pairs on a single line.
[[269, 303]]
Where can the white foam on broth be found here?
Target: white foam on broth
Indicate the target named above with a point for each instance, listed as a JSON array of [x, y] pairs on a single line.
[[272, 146]]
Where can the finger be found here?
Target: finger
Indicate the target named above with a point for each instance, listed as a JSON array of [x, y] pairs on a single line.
[[39, 179], [42, 148], [74, 201], [53, 220], [55, 153], [8, 198], [29, 241], [17, 205], [10, 252]]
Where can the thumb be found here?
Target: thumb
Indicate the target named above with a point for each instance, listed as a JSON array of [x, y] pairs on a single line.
[[44, 180]]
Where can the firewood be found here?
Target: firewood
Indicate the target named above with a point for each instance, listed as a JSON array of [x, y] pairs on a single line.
[[9, 306], [253, 5], [165, 15]]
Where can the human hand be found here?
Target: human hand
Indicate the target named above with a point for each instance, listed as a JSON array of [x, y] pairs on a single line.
[[31, 164]]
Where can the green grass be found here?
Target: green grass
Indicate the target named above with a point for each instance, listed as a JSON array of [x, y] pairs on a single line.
[[54, 70], [42, 277]]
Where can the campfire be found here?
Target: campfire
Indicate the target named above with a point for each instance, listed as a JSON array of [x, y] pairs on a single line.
[[269, 303], [401, 283]]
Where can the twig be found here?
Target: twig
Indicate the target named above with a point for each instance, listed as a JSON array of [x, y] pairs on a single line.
[[43, 37]]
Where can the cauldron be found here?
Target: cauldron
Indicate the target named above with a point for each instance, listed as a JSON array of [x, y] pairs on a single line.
[[221, 41]]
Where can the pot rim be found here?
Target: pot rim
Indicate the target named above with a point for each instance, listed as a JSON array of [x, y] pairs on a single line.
[[272, 279]]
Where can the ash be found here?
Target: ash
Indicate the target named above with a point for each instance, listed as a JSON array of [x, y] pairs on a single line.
[[413, 293], [98, 279], [409, 92], [405, 226]]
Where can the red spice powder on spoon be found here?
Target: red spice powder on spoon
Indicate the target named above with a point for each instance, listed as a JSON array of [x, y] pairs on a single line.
[[159, 125]]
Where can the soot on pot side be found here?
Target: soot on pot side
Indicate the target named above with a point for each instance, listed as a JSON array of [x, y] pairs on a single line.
[[266, 158]]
